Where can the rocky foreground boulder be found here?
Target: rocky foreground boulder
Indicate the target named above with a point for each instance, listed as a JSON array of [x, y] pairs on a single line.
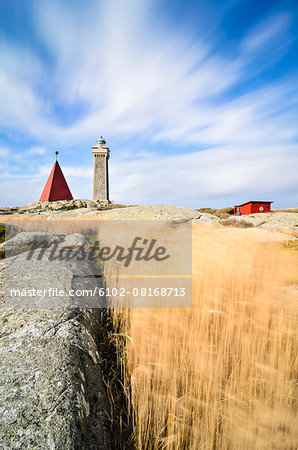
[[273, 220], [52, 393]]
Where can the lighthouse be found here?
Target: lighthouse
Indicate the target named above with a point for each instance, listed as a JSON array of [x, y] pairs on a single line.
[[101, 154]]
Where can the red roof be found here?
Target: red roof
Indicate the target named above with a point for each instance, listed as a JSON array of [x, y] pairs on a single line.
[[253, 201], [56, 187]]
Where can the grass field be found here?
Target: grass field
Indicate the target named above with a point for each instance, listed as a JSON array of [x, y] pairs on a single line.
[[220, 375]]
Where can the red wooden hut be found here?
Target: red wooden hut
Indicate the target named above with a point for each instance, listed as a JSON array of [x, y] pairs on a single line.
[[252, 207]]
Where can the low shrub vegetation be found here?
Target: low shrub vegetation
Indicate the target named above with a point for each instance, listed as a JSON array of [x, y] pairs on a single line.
[[289, 210], [206, 210], [222, 213], [2, 233], [228, 210], [236, 223]]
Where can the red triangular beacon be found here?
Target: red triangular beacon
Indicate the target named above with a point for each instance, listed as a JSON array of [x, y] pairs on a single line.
[[56, 187]]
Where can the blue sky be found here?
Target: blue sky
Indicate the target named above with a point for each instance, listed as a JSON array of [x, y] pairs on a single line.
[[197, 100]]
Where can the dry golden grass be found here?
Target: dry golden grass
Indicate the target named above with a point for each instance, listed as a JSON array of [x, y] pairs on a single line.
[[220, 375]]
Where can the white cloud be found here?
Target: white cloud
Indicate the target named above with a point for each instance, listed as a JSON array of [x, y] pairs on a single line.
[[37, 151], [267, 32], [216, 175], [4, 152], [134, 77]]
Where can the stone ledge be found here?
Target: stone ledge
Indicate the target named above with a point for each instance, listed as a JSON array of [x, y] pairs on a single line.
[[52, 393]]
